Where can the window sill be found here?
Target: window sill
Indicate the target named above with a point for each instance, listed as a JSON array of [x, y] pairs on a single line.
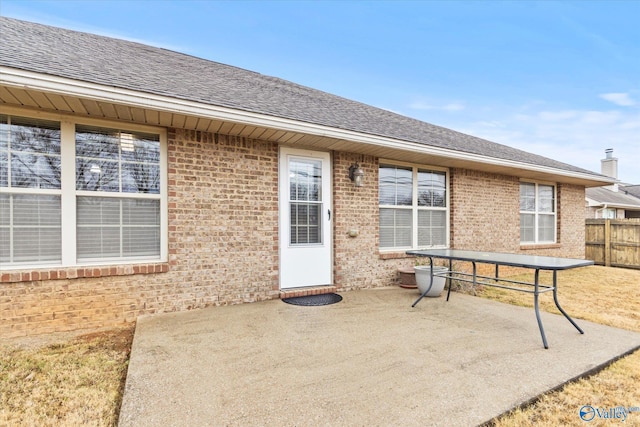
[[394, 255], [540, 246], [30, 275]]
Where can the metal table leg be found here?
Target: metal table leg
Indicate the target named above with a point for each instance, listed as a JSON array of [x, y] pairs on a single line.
[[535, 303], [430, 284], [555, 299], [450, 278], [475, 277]]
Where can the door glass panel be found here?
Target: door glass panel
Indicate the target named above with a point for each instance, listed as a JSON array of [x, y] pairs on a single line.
[[305, 201]]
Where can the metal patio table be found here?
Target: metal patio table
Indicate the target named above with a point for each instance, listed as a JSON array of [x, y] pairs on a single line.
[[533, 262]]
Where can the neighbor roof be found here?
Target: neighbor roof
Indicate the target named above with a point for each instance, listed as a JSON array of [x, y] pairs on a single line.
[[634, 190], [134, 66], [615, 199]]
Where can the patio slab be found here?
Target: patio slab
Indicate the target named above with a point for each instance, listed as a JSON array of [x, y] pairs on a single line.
[[368, 360]]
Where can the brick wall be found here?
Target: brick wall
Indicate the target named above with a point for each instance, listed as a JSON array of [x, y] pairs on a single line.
[[223, 238], [484, 211], [223, 217], [485, 216], [357, 262], [571, 222]]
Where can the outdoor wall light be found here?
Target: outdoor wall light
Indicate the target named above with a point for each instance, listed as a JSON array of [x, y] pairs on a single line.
[[356, 174]]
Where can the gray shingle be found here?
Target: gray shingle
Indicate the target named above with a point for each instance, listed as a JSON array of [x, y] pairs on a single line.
[[606, 196], [633, 190], [129, 65]]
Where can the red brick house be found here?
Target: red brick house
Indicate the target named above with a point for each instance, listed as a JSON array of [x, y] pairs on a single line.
[[137, 180]]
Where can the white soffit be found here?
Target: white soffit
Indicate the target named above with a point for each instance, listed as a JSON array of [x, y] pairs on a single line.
[[27, 80]]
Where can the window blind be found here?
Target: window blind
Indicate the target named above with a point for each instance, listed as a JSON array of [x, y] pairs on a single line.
[[30, 228], [30, 223], [413, 207]]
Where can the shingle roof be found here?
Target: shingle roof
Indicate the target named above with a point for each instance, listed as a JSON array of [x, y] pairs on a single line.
[[633, 190], [130, 65], [612, 198]]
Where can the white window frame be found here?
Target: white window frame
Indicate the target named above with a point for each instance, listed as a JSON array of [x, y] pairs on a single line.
[[415, 208], [25, 191], [609, 213], [69, 193], [537, 214]]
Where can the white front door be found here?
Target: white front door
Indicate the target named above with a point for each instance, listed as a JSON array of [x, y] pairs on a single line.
[[305, 218]]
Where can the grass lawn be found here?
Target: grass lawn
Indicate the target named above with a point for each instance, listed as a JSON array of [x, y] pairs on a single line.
[[79, 381], [610, 296], [74, 382]]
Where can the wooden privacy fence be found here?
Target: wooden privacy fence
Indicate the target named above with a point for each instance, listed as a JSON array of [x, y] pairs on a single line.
[[613, 242]]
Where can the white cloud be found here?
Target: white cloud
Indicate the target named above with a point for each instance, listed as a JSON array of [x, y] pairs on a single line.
[[419, 105], [491, 124], [576, 137], [451, 106], [454, 106], [619, 98], [554, 116]]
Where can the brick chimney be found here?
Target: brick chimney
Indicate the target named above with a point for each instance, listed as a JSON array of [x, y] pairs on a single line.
[[609, 164]]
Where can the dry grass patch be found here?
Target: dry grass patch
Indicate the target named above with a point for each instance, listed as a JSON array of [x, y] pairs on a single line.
[[615, 386], [610, 296], [605, 295], [78, 382]]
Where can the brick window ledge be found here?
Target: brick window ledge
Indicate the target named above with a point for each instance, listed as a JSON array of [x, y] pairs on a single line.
[[402, 255], [394, 255], [29, 275], [541, 246]]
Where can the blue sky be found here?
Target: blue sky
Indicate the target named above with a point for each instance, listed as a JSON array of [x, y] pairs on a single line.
[[561, 79]]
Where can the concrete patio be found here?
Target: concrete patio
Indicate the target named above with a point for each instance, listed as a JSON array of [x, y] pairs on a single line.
[[369, 360]]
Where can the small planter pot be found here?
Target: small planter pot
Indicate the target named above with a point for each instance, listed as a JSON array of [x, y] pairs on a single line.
[[423, 279], [407, 278]]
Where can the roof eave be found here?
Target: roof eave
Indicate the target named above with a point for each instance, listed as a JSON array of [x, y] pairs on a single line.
[[28, 80], [599, 203]]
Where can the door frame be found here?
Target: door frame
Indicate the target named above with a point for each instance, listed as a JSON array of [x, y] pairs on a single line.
[[285, 153]]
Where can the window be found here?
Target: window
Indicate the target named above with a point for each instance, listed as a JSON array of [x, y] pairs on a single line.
[[608, 213], [305, 201], [127, 165], [537, 213], [76, 194], [413, 207], [30, 209]]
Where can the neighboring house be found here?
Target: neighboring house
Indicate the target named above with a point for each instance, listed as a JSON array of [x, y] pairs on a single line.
[[604, 202], [617, 201], [632, 190], [137, 180]]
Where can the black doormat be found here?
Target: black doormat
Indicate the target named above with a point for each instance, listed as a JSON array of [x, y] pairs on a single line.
[[314, 300]]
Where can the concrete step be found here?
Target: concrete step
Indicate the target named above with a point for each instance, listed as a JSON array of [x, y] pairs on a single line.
[[306, 291]]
